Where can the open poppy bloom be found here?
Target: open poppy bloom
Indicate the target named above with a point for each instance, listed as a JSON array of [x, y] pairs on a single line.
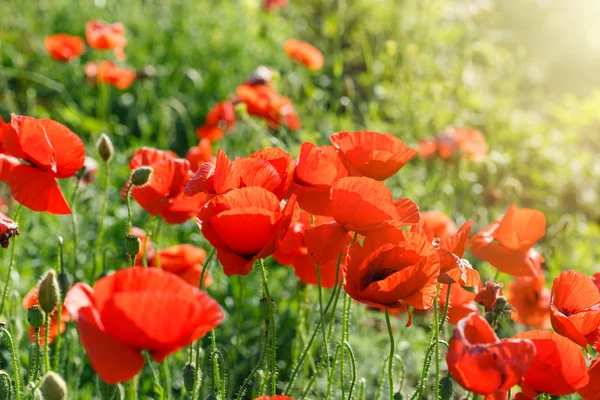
[[304, 53], [318, 167], [219, 120], [263, 101], [111, 74], [461, 302], [200, 154], [138, 309], [441, 224], [50, 151], [163, 194], [508, 244], [8, 229], [393, 269], [575, 306], [30, 300], [558, 368], [292, 251], [183, 260], [245, 225], [101, 35], [63, 47], [530, 300], [358, 204], [484, 364], [372, 154], [488, 296], [591, 391]]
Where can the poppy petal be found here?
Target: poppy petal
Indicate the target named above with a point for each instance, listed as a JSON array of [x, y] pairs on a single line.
[[325, 242], [28, 140], [69, 151], [37, 190]]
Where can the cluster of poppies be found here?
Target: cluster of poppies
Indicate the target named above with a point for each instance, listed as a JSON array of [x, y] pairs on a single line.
[[468, 142], [100, 35]]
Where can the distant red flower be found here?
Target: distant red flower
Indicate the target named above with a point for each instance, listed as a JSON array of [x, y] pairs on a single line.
[[393, 269], [8, 229], [101, 35], [530, 300], [219, 120], [30, 300], [63, 47], [470, 142], [50, 151], [591, 391], [575, 306], [317, 169], [163, 194], [200, 154], [244, 225], [482, 363], [304, 53], [272, 5], [111, 74], [508, 244], [263, 101], [292, 251], [138, 309], [441, 224], [488, 296], [461, 302], [183, 260], [358, 204], [372, 154], [558, 368], [91, 171]]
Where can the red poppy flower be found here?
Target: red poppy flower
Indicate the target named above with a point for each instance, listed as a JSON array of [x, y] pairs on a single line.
[[576, 316], [263, 101], [183, 260], [317, 169], [461, 302], [507, 244], [138, 309], [292, 251], [7, 163], [50, 150], [488, 296], [163, 194], [373, 154], [358, 204], [304, 53], [591, 391], [30, 300], [531, 301], [441, 224], [482, 363], [109, 73], [8, 229], [559, 367], [63, 47], [271, 5], [470, 142], [101, 35], [245, 225], [392, 269], [200, 154], [219, 120]]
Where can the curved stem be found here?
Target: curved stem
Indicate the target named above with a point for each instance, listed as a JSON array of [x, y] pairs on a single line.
[[15, 363], [100, 233], [46, 345], [271, 308], [11, 262], [446, 307], [392, 349], [158, 386], [353, 364], [335, 357], [248, 380], [205, 267]]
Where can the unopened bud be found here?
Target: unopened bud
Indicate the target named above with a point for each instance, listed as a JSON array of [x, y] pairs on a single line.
[[53, 387], [133, 244], [398, 396], [105, 148], [49, 293], [108, 392], [501, 304], [190, 376], [35, 316], [63, 284], [5, 386], [446, 388], [140, 176]]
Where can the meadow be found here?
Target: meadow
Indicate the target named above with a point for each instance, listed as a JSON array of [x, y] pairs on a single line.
[[342, 199]]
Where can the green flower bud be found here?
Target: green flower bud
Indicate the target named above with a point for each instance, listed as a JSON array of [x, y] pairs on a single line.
[[446, 388], [108, 392], [398, 396], [501, 304], [35, 316], [140, 176], [49, 293], [63, 284], [53, 387], [105, 148], [190, 375], [133, 244], [5, 386]]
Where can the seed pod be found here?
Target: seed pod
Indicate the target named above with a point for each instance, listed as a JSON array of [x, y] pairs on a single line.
[[35, 316], [53, 387], [190, 375], [133, 244], [49, 293], [105, 148], [140, 176], [5, 386]]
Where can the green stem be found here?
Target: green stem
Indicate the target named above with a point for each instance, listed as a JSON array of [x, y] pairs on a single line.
[[353, 364], [270, 306], [446, 307], [74, 222], [150, 233], [345, 310], [128, 202], [46, 344], [38, 356], [58, 337], [11, 262], [436, 324], [254, 371], [132, 389], [15, 362], [330, 381], [155, 376], [166, 370], [216, 376], [323, 330], [392, 349], [209, 258], [100, 234]]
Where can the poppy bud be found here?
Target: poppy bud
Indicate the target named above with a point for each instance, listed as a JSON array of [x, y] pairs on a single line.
[[501, 304], [446, 388], [108, 392], [5, 386], [49, 293], [63, 284], [140, 176], [190, 374], [398, 396], [35, 316], [53, 387], [105, 148], [133, 244]]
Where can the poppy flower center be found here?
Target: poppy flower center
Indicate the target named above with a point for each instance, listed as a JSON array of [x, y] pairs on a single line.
[[386, 263]]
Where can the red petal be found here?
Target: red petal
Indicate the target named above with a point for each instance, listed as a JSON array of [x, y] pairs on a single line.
[[37, 190], [29, 141], [325, 242], [69, 151]]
